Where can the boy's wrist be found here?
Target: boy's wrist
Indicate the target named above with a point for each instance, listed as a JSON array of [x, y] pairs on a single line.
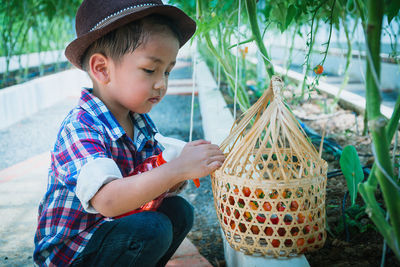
[[176, 171]]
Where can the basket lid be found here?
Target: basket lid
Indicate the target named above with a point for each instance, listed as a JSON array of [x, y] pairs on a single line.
[[268, 143]]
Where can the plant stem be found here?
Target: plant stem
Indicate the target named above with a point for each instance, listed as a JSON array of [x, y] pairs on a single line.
[[290, 59], [377, 125], [308, 63], [348, 58], [394, 120], [251, 7]]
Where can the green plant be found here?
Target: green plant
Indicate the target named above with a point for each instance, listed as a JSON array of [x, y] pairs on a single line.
[[352, 171], [29, 26], [345, 19], [356, 220], [217, 27], [382, 132]]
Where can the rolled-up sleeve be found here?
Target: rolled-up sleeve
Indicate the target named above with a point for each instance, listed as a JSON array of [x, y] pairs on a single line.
[[93, 175]]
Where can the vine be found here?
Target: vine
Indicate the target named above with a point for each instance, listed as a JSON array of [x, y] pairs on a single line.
[[315, 81]]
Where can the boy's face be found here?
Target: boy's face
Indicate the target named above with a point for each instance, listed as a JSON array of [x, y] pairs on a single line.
[[139, 81]]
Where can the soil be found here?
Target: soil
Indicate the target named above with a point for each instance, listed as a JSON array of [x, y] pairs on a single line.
[[362, 245], [206, 233]]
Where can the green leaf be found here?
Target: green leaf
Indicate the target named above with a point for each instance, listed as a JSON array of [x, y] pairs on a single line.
[[392, 8], [352, 170], [278, 14], [291, 12]]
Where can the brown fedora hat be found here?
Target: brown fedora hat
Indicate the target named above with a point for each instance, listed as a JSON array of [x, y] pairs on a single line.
[[95, 18]]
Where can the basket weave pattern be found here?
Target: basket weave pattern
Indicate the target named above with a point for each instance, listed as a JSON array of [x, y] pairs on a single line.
[[270, 192]]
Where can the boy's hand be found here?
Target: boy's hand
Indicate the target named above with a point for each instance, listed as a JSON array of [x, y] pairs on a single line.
[[199, 158]]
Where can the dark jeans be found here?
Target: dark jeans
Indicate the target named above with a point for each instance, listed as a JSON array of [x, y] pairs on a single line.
[[143, 239]]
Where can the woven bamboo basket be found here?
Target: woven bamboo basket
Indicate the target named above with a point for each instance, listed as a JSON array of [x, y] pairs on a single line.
[[270, 192]]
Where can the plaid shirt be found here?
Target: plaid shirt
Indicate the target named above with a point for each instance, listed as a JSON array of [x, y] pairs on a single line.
[[88, 132]]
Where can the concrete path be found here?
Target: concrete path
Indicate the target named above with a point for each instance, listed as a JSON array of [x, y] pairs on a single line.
[[25, 161]]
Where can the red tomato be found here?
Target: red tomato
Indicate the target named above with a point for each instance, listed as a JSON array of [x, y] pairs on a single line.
[[246, 191], [275, 243], [247, 216], [286, 193], [294, 206], [236, 213], [274, 219], [242, 227], [273, 194], [300, 218], [241, 203], [261, 218], [300, 242], [259, 193], [281, 231], [267, 206], [287, 219], [236, 190], [228, 211], [306, 229], [318, 69], [294, 231], [311, 240], [288, 243], [281, 206], [253, 205], [254, 229], [320, 237], [231, 200], [268, 231]]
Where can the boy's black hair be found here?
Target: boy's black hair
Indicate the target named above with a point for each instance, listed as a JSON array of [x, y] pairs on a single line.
[[127, 38]]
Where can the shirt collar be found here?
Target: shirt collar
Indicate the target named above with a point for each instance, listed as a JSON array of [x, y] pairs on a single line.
[[143, 123]]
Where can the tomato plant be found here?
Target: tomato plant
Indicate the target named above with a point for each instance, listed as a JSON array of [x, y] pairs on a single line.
[[218, 34]]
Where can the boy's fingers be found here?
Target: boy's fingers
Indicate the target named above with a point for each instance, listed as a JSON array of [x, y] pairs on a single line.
[[199, 142], [215, 152], [218, 158], [215, 147], [214, 165]]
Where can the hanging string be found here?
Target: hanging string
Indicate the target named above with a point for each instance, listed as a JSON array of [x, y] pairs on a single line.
[[193, 88], [218, 84], [237, 61], [219, 76], [193, 83]]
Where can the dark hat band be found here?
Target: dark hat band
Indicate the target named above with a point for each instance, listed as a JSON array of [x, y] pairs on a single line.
[[115, 16]]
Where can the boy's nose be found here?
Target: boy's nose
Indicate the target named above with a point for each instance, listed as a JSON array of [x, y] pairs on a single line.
[[161, 84]]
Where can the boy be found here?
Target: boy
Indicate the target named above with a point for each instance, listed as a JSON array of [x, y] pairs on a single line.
[[128, 48]]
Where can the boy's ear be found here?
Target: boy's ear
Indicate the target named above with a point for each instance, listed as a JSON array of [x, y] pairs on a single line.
[[99, 67]]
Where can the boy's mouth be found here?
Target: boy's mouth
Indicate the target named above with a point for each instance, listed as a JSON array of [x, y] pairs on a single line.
[[154, 100]]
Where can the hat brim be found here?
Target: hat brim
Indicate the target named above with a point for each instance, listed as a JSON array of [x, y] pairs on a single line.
[[75, 50]]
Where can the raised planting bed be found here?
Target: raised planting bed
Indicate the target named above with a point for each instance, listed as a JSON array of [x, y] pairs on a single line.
[[24, 99], [22, 68]]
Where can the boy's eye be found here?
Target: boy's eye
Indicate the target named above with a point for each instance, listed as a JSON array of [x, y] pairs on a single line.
[[148, 71]]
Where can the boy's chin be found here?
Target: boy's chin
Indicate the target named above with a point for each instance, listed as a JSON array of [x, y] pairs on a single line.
[[142, 111]]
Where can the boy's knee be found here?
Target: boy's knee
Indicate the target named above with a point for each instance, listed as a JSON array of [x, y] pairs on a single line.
[[179, 210], [188, 212], [151, 227], [157, 230]]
